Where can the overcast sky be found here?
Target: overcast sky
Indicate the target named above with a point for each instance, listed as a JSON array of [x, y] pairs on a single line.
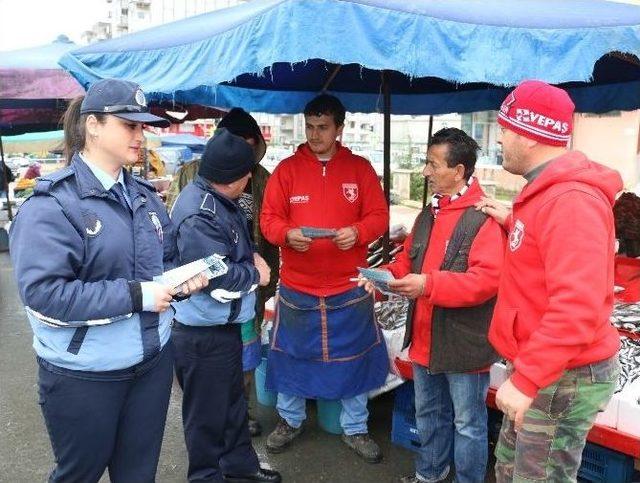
[[29, 23]]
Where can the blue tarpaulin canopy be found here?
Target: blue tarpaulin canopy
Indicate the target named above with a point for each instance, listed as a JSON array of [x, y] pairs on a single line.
[[437, 56]]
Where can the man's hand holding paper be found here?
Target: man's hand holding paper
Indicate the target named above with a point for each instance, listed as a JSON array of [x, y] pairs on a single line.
[[298, 241], [346, 237], [315, 232], [411, 286], [377, 279]]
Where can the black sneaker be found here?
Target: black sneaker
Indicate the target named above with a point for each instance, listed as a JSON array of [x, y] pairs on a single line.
[[282, 436], [365, 446]]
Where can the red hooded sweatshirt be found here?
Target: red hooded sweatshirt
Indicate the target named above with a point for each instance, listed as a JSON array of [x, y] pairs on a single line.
[[450, 289], [304, 192], [556, 288]]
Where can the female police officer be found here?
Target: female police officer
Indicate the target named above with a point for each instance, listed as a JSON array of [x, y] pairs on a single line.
[[85, 248]]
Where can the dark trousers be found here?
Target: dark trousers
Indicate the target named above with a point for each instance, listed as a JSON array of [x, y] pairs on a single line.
[[208, 363], [111, 420]]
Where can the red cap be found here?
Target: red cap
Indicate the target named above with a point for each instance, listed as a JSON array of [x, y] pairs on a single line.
[[538, 111]]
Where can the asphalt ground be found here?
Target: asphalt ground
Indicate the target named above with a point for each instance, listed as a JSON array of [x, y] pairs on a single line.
[[25, 453]]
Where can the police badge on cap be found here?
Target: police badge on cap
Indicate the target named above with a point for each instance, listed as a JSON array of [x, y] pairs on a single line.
[[140, 98]]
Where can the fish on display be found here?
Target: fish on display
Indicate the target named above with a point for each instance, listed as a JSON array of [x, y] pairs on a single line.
[[627, 317], [629, 356], [392, 313]]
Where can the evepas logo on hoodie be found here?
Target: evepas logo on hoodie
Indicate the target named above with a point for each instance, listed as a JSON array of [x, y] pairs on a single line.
[[297, 199]]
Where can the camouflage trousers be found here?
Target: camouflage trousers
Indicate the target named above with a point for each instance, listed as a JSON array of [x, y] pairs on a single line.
[[549, 445]]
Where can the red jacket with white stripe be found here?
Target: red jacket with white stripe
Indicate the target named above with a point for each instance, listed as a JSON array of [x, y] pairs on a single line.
[[556, 288], [303, 192]]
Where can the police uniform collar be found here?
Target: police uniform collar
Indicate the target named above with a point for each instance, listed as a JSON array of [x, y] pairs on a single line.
[[131, 182], [206, 185], [90, 185], [106, 180]]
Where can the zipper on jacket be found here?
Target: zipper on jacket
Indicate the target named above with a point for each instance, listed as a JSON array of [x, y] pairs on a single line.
[[324, 277]]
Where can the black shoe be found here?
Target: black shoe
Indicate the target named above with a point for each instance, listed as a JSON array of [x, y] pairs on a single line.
[[255, 428], [365, 446], [282, 436], [263, 474]]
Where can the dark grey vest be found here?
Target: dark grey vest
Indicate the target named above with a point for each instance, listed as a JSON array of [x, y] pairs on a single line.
[[458, 336]]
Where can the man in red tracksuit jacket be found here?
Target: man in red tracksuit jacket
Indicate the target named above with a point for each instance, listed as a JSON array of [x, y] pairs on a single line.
[[551, 321], [325, 342], [450, 268]]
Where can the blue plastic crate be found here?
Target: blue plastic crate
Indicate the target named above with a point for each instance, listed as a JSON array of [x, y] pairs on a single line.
[[403, 422], [404, 434], [601, 464], [404, 399]]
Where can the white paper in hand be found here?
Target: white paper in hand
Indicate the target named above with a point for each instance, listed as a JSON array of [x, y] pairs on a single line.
[[212, 266], [379, 278], [314, 232]]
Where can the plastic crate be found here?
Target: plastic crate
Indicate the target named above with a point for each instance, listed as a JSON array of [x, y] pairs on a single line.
[[404, 400], [403, 422], [601, 464]]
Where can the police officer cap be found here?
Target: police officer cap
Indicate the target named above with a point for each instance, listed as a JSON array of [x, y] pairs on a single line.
[[226, 158], [121, 98]]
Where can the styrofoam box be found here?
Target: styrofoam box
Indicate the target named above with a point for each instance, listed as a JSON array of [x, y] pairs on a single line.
[[629, 410], [497, 375], [609, 417]]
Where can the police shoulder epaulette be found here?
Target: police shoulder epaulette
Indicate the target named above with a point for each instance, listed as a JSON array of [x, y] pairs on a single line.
[[44, 184], [145, 183], [208, 204]]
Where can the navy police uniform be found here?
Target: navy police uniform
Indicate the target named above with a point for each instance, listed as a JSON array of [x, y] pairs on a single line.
[[206, 334], [80, 252]]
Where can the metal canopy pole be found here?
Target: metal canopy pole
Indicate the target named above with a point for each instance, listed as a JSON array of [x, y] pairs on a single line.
[[331, 77], [5, 182], [424, 186], [386, 93]]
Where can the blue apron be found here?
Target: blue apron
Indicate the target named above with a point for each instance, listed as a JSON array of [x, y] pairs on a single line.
[[326, 347], [251, 348]]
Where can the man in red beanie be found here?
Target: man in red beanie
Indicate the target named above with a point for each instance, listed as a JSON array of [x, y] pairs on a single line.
[[551, 321]]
